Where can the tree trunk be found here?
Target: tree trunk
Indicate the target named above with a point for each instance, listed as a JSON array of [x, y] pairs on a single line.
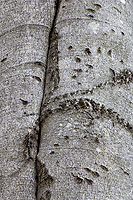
[[24, 35], [66, 99], [85, 148]]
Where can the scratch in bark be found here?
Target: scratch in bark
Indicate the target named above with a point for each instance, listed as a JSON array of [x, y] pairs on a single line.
[[125, 171], [94, 173]]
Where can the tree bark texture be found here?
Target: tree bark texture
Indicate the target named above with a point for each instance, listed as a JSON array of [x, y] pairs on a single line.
[[85, 147], [24, 35], [66, 103]]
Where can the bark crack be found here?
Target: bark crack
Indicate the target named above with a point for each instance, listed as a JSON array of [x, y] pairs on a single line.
[[57, 5]]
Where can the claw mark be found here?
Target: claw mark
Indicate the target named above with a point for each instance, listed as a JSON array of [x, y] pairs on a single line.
[[78, 70], [70, 47], [39, 63], [109, 52], [117, 9], [91, 16], [78, 179], [87, 51], [125, 172], [90, 66], [4, 59], [90, 10], [37, 78], [104, 168], [78, 59], [112, 71], [56, 145], [94, 173], [99, 50], [74, 76], [89, 181], [24, 102], [52, 152], [66, 137], [98, 6]]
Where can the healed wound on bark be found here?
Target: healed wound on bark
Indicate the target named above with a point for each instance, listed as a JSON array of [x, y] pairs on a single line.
[[80, 104], [85, 103], [31, 143]]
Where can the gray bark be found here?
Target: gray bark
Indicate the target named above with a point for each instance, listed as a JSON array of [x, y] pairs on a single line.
[[66, 99], [24, 35], [85, 137]]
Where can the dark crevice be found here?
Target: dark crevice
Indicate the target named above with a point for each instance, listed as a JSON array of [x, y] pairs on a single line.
[[124, 171], [94, 173], [91, 10], [49, 43], [87, 51], [57, 5], [109, 52], [4, 59], [70, 47], [24, 102], [78, 59], [117, 10], [98, 6], [37, 78], [89, 181], [104, 168]]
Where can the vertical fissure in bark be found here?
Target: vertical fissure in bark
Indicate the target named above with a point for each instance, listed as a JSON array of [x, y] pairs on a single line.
[[57, 5]]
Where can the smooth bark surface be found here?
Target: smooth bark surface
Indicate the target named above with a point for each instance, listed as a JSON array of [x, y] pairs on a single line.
[[66, 99], [24, 35]]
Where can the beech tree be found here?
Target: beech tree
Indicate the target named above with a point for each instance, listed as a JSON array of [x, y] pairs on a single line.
[[66, 99]]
